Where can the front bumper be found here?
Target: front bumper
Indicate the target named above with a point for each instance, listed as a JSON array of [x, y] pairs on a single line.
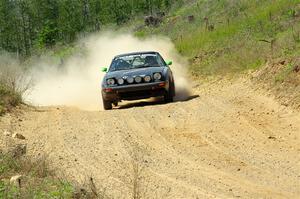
[[135, 91]]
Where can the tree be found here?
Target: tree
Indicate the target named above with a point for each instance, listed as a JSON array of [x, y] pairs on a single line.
[[48, 15], [26, 24]]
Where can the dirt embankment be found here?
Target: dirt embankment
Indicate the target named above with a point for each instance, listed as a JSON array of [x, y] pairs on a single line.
[[229, 142], [281, 77]]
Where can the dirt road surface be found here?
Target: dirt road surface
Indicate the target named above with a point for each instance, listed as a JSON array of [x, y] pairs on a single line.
[[230, 142]]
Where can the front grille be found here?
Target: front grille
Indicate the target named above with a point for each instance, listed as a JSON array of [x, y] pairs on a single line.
[[135, 93], [141, 94]]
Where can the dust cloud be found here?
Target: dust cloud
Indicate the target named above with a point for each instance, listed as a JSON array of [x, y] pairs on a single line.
[[77, 80]]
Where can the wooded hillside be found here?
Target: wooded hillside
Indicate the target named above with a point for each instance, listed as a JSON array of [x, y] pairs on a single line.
[[31, 24]]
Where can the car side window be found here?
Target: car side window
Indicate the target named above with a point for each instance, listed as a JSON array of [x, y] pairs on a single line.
[[151, 60], [160, 61]]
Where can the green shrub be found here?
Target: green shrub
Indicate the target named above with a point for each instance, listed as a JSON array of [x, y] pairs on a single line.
[[8, 98], [14, 81]]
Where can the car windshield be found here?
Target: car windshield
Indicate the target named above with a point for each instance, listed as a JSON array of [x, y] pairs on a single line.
[[128, 62]]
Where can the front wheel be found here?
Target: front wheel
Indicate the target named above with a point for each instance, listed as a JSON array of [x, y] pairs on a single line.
[[107, 105], [169, 95]]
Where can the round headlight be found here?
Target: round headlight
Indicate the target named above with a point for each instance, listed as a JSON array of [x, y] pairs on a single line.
[[157, 76], [121, 81], [138, 79], [110, 81], [130, 80], [147, 78]]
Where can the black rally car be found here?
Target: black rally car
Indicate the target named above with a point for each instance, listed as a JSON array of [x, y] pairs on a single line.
[[136, 76]]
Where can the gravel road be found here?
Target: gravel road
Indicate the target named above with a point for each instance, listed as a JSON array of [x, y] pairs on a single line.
[[231, 141]]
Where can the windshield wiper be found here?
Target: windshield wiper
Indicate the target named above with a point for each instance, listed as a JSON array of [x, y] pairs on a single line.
[[141, 66], [146, 66]]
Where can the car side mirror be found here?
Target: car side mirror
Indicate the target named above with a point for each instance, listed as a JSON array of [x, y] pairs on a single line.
[[169, 63], [104, 69]]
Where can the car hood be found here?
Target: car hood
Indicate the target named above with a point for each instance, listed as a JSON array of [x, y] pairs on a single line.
[[135, 72]]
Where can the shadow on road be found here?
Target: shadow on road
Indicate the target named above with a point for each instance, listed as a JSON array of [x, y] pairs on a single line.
[[152, 102]]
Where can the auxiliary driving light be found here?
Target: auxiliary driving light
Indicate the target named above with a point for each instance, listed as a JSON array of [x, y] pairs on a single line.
[[138, 79], [121, 81], [147, 78], [130, 80]]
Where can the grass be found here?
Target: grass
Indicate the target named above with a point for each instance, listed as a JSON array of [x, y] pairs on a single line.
[[14, 83], [8, 99], [242, 34], [38, 180]]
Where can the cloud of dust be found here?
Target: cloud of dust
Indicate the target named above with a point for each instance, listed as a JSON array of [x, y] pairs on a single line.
[[77, 81]]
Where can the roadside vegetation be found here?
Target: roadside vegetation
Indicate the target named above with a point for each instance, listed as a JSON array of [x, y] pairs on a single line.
[[8, 99], [13, 83], [228, 36], [24, 177]]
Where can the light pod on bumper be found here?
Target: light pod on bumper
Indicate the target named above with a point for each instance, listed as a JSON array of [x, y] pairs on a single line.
[[147, 78], [138, 79], [130, 80], [121, 81]]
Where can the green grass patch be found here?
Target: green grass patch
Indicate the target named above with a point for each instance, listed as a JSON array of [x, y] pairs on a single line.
[[37, 181], [241, 35]]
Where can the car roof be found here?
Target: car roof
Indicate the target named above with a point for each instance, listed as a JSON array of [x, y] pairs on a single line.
[[136, 53]]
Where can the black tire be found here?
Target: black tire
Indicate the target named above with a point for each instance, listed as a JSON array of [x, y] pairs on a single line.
[[173, 89], [169, 96], [107, 105]]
